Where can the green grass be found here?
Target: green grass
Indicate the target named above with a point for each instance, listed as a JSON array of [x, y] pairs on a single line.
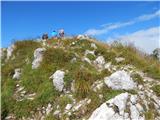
[[68, 78], [82, 83], [34, 81], [55, 59], [7, 101], [149, 115], [63, 101], [137, 78], [37, 80], [91, 57], [108, 93], [156, 89], [140, 60]]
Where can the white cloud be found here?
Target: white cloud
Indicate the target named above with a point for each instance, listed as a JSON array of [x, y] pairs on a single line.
[[146, 40], [111, 26], [148, 16]]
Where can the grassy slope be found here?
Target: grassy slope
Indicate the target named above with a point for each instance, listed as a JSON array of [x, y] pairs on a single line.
[[57, 58]]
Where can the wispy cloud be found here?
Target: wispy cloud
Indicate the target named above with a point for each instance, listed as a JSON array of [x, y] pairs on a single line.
[[108, 27], [146, 40]]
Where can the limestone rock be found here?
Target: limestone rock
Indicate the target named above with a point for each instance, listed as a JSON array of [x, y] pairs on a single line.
[[58, 81], [68, 106], [97, 85], [133, 99], [73, 60], [89, 52], [134, 112], [106, 111], [81, 37], [99, 62], [86, 60], [49, 109], [93, 45], [38, 56], [119, 59], [120, 80], [17, 74], [10, 51], [108, 66]]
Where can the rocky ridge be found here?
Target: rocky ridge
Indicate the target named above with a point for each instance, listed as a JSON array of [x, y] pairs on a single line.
[[134, 102]]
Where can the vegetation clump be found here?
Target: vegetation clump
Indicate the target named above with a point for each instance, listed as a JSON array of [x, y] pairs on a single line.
[[137, 78], [156, 89]]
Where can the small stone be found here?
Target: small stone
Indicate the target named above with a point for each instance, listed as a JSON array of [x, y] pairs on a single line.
[[108, 66], [93, 45], [139, 107], [140, 87], [17, 74], [68, 106], [23, 92], [73, 86], [74, 60], [133, 99], [100, 96], [86, 60], [49, 109], [119, 59], [20, 89], [56, 112], [89, 52], [89, 101]]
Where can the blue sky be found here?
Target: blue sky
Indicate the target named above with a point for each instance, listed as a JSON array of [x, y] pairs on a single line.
[[103, 20]]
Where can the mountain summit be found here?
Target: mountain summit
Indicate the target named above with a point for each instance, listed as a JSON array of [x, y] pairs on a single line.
[[78, 79]]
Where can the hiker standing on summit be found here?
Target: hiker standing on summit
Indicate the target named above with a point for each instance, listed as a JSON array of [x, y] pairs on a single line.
[[61, 33], [54, 34]]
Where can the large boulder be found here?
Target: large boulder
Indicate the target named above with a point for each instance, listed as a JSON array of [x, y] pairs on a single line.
[[58, 81], [120, 80], [119, 108], [113, 109], [10, 51], [38, 56], [17, 74]]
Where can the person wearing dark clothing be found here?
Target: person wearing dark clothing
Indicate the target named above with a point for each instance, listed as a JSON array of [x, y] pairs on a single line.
[[45, 36], [61, 33]]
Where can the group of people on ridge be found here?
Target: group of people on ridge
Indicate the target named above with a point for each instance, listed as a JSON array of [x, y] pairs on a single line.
[[54, 34]]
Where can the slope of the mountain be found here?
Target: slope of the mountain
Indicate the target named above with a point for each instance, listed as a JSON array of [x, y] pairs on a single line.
[[78, 79]]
